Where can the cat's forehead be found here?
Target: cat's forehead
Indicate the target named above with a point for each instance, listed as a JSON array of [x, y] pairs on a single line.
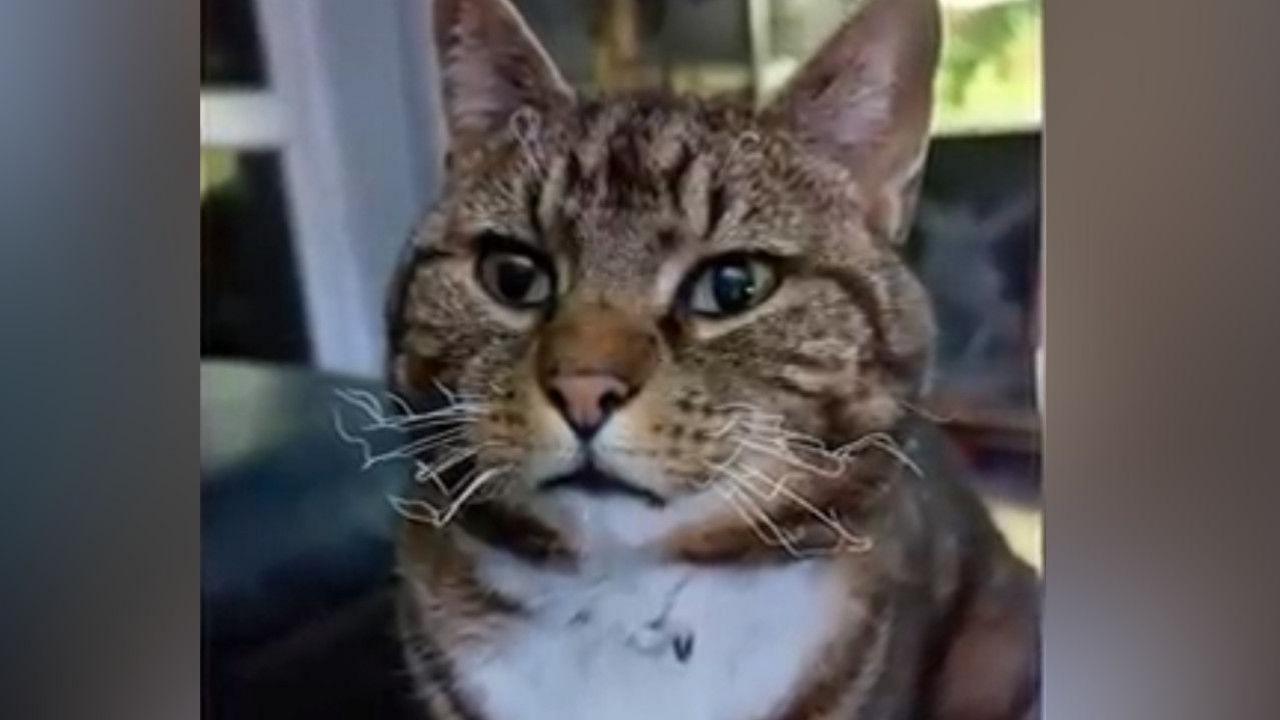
[[641, 153], [662, 124], [625, 181]]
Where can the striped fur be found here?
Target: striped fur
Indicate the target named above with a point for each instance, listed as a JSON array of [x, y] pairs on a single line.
[[910, 604]]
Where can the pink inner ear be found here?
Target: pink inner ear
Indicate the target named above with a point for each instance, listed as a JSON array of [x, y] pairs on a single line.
[[479, 94], [491, 65], [852, 116], [864, 100]]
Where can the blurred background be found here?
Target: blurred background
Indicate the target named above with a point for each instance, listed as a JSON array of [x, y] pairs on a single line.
[[320, 147]]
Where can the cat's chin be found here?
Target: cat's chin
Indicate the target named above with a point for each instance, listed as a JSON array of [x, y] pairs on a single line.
[[591, 480]]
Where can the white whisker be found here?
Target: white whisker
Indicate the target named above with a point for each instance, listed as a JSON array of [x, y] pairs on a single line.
[[845, 539], [419, 511], [783, 454], [422, 511], [885, 443], [434, 471], [399, 403], [754, 516], [363, 400], [471, 488], [410, 451], [423, 422], [365, 447]]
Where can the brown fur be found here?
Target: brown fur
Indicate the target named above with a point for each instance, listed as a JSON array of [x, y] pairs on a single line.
[[627, 195]]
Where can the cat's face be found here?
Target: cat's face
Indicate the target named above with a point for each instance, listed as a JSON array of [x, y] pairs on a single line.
[[656, 288]]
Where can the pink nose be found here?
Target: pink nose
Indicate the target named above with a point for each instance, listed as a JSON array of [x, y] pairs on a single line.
[[587, 400]]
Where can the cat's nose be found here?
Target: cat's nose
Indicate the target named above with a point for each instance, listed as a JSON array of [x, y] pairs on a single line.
[[587, 400], [591, 359]]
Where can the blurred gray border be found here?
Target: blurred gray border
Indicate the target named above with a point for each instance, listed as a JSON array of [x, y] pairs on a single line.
[[1161, 251]]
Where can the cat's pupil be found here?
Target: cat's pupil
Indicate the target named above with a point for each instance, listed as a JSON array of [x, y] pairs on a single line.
[[515, 277], [733, 285]]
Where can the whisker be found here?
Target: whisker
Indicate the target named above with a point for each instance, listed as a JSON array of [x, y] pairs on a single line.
[[472, 487], [855, 543], [361, 399], [455, 410], [788, 435], [450, 446], [440, 388], [419, 511], [434, 471], [422, 422], [366, 448], [425, 472], [927, 414], [493, 490], [783, 454], [886, 444], [427, 443], [754, 411], [422, 511], [408, 451], [754, 516], [729, 426], [775, 486], [399, 402], [406, 418]]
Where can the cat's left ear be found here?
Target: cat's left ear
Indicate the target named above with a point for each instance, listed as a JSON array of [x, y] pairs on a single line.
[[865, 101], [491, 66]]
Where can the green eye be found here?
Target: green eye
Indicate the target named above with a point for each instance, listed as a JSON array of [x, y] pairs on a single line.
[[731, 285], [515, 279]]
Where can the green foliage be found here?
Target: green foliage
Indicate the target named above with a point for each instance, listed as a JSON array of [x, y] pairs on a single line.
[[990, 76], [217, 168]]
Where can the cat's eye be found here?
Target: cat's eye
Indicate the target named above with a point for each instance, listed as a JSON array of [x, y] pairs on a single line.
[[730, 285], [515, 278]]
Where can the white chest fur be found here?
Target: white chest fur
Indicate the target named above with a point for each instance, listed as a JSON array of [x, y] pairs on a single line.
[[646, 642]]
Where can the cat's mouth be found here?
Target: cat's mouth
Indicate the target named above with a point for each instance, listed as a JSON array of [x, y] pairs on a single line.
[[594, 481]]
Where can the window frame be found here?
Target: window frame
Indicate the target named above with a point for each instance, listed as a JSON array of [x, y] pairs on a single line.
[[349, 107]]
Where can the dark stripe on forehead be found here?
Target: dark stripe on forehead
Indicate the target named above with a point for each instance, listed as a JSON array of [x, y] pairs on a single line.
[[634, 155], [716, 205], [676, 171], [532, 203]]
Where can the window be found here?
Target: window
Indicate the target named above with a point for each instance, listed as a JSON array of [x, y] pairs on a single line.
[[249, 290], [317, 156]]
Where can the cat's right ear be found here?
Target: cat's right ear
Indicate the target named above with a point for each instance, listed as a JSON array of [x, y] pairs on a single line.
[[864, 100], [491, 66]]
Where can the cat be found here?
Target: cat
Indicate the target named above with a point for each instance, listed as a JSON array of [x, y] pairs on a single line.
[[663, 351]]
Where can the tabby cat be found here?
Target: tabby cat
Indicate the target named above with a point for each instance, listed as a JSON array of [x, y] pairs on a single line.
[[663, 351]]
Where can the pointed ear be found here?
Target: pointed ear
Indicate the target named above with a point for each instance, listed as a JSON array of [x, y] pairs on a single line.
[[865, 101], [491, 66]]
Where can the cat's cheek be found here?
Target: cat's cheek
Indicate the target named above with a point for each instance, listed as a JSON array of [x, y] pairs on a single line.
[[618, 449], [871, 413], [818, 383], [552, 448]]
